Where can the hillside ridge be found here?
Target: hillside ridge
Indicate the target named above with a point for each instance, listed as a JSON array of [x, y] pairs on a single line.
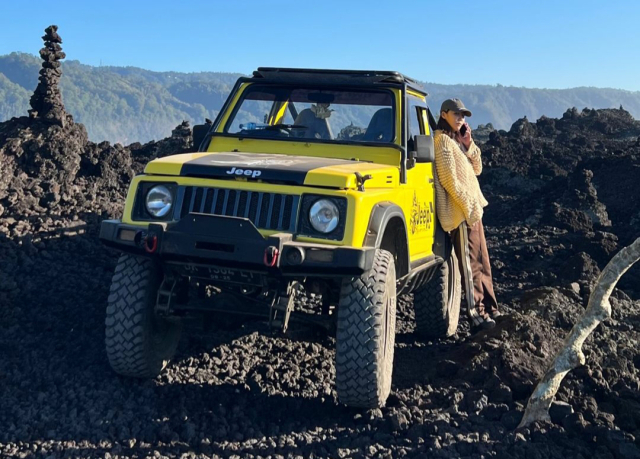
[[129, 104]]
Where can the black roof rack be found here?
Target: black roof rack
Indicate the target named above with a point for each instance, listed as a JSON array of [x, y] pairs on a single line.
[[337, 77]]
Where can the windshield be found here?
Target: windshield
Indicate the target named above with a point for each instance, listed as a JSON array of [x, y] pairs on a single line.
[[314, 114]]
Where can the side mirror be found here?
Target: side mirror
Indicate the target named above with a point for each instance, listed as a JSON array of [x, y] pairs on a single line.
[[425, 150], [199, 133]]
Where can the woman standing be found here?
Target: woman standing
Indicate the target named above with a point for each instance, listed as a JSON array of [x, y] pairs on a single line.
[[459, 204]]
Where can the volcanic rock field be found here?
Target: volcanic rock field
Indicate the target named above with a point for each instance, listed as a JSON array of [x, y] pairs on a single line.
[[564, 198]]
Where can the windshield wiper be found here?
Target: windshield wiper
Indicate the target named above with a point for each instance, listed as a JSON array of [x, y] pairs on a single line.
[[258, 127], [284, 126]]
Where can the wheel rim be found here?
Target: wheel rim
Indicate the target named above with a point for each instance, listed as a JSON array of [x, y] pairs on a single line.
[[451, 284], [452, 297], [389, 338], [385, 332]]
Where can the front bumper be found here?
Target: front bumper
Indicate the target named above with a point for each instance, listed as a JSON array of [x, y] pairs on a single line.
[[206, 241]]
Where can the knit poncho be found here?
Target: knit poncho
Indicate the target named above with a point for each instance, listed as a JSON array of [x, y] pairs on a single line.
[[458, 195]]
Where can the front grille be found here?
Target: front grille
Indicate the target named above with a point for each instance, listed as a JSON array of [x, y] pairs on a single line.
[[270, 211]]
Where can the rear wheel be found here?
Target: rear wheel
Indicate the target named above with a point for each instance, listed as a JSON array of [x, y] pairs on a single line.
[[437, 304], [366, 335], [138, 342]]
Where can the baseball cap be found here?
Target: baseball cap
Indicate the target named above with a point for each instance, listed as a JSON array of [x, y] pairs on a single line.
[[456, 105]]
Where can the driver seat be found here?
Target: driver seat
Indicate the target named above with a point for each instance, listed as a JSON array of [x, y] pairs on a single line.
[[380, 127], [316, 128]]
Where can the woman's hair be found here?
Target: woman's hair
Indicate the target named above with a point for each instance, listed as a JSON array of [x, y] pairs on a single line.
[[443, 124]]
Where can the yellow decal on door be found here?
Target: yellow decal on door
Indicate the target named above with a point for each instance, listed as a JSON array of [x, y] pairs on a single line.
[[421, 215]]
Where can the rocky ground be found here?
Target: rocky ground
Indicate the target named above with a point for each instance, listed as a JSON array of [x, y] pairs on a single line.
[[563, 201]]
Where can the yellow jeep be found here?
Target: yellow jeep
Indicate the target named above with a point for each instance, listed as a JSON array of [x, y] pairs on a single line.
[[316, 181]]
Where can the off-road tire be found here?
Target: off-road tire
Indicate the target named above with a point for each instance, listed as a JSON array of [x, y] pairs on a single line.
[[139, 343], [365, 336], [437, 303]]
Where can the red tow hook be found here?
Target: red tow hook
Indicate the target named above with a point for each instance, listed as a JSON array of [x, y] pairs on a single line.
[[151, 244], [271, 256]]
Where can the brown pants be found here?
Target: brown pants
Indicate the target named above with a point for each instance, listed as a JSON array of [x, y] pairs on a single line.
[[473, 259]]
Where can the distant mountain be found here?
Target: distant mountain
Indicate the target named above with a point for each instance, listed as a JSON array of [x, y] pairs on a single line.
[[502, 105], [128, 104], [119, 104]]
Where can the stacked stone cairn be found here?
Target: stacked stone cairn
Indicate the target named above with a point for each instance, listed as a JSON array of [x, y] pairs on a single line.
[[46, 101]]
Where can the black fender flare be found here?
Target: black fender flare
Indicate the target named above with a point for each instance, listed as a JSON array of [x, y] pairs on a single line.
[[381, 215]]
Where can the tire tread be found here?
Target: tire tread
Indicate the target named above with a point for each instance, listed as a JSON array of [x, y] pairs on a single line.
[[363, 368], [128, 337], [437, 314]]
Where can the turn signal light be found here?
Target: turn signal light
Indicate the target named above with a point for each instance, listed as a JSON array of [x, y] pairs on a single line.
[[127, 235], [320, 256]]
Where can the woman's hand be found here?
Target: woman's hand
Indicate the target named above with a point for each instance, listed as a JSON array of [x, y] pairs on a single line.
[[466, 138]]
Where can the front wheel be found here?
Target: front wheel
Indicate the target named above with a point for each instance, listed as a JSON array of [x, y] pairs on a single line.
[[366, 335], [138, 342]]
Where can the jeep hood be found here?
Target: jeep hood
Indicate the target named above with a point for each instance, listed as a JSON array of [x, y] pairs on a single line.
[[295, 170]]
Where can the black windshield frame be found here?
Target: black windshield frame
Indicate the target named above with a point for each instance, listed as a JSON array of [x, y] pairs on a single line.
[[289, 88]]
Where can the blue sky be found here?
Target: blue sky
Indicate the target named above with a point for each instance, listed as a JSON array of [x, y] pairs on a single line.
[[548, 44]]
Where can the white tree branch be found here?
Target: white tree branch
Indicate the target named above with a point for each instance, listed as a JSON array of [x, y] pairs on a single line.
[[570, 355]]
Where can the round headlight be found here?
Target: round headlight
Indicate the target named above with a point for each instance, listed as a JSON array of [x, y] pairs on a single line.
[[324, 215], [159, 201]]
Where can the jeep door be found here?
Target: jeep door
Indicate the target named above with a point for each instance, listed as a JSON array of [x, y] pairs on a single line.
[[420, 182]]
